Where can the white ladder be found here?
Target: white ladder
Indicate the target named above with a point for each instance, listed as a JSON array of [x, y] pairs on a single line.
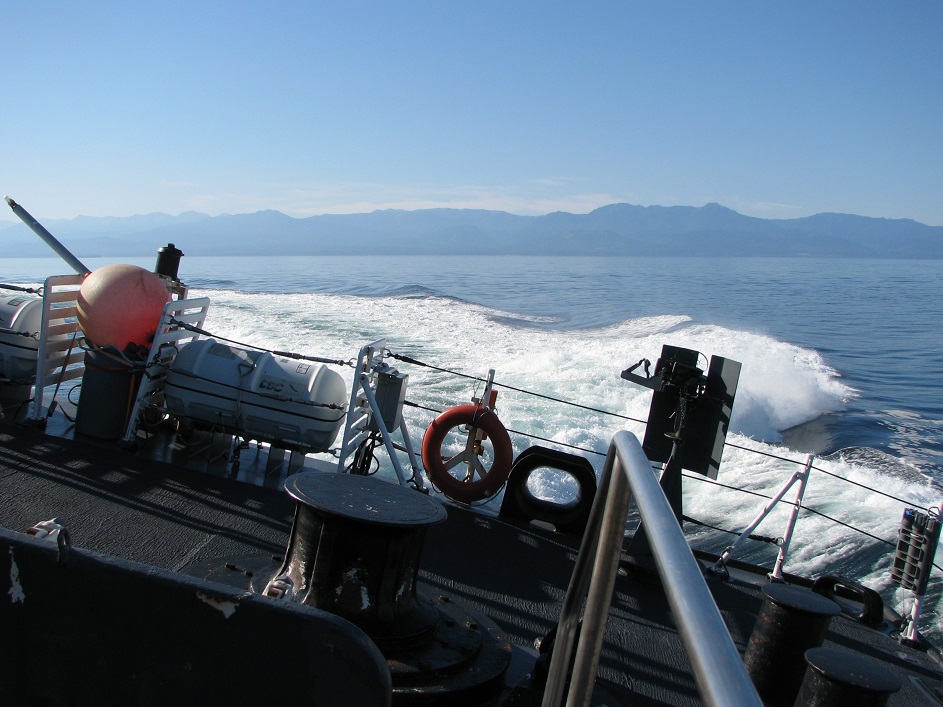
[[364, 416], [61, 356]]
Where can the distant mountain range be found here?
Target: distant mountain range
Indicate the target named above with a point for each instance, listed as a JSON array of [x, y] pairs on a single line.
[[617, 229]]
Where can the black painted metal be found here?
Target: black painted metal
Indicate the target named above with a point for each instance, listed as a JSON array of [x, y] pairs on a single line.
[[917, 542], [163, 514], [83, 628], [690, 406], [871, 612], [109, 385], [791, 620], [519, 504], [168, 261], [354, 551], [838, 678], [687, 424]]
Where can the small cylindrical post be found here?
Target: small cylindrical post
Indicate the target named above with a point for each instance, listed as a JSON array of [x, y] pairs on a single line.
[[109, 386], [791, 620], [836, 678], [168, 261], [354, 551]]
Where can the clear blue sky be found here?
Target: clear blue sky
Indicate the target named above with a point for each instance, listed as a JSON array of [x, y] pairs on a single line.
[[775, 109]]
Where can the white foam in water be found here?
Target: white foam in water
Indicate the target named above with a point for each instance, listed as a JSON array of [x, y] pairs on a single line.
[[781, 385]]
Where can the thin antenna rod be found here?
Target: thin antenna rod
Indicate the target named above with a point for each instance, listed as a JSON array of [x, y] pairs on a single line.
[[50, 239]]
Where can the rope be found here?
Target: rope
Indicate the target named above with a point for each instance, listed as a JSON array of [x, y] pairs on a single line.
[[275, 352], [759, 538], [832, 474], [61, 376], [802, 507], [16, 288], [698, 477], [517, 432], [275, 398], [764, 454], [712, 482], [415, 362], [860, 485], [851, 527]]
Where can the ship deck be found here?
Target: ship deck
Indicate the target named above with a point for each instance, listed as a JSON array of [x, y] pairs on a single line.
[[157, 510]]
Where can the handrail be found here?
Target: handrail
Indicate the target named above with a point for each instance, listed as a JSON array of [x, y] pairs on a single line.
[[718, 668]]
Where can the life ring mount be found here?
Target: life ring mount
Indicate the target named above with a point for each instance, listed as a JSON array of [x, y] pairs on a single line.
[[479, 482]]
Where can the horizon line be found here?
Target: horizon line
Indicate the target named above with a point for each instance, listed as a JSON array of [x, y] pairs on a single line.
[[11, 219]]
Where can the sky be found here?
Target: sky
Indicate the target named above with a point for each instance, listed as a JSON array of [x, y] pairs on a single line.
[[773, 109]]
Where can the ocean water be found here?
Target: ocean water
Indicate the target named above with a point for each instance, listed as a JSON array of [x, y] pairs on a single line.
[[841, 358]]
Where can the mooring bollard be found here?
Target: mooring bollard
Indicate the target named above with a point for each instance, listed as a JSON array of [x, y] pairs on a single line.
[[791, 620], [836, 678]]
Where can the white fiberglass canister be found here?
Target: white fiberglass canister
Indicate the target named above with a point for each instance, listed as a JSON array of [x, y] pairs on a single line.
[[20, 321], [294, 404]]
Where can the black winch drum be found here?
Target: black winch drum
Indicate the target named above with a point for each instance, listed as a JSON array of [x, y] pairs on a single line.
[[354, 551]]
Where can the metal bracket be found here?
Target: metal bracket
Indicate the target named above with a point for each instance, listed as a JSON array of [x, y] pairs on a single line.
[[52, 531]]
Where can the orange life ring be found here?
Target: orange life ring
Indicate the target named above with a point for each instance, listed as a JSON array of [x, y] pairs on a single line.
[[491, 479]]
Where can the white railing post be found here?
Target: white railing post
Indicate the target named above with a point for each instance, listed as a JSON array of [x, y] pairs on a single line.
[[777, 574], [719, 567]]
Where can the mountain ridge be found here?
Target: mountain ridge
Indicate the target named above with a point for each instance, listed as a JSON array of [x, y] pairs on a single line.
[[618, 229]]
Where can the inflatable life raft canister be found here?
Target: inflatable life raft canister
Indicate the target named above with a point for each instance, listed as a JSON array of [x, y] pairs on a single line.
[[20, 322]]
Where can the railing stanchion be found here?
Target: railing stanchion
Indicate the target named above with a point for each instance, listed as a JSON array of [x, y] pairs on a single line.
[[720, 567], [777, 574], [717, 666]]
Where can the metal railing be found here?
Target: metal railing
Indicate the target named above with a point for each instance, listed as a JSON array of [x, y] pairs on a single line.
[[800, 477], [718, 668]]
